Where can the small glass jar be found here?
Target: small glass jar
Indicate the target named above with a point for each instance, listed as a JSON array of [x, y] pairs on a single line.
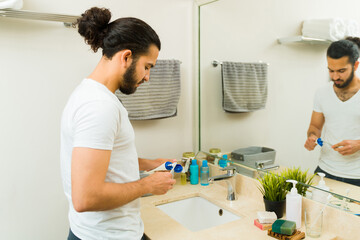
[[215, 155], [187, 155], [186, 160]]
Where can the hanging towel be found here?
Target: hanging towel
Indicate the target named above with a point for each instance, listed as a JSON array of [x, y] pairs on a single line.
[[332, 29], [157, 98], [244, 86], [13, 4], [352, 28]]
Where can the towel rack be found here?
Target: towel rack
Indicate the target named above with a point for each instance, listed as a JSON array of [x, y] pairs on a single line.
[[303, 39], [68, 20], [215, 63]]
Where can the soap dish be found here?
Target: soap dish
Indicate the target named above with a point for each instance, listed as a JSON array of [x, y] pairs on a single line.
[[296, 235]]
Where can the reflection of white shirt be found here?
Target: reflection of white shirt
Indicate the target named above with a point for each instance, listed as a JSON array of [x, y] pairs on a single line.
[[342, 122], [95, 118]]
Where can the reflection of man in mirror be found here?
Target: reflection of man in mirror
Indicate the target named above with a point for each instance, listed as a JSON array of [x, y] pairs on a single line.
[[336, 115]]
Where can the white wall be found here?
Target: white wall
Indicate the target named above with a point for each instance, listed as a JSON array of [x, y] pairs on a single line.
[[247, 32], [40, 64]]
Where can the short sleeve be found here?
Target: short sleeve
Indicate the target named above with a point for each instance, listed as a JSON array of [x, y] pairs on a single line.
[[96, 124]]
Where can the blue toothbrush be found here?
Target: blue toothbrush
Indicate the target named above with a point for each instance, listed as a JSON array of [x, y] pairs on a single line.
[[321, 142]]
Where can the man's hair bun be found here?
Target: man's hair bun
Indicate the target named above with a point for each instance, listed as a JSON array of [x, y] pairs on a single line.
[[93, 26]]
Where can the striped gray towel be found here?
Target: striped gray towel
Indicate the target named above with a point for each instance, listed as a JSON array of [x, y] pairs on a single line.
[[244, 86], [157, 98]]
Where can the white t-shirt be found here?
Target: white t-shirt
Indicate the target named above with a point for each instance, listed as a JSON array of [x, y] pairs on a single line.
[[95, 118], [342, 122]]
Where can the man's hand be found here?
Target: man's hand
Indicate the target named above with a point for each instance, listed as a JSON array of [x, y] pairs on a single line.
[[314, 131], [310, 143], [347, 147], [159, 182]]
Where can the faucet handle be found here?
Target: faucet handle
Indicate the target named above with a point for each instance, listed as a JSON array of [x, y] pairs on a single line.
[[230, 170]]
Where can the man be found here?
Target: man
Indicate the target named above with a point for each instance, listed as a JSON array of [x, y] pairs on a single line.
[[99, 163], [337, 111]]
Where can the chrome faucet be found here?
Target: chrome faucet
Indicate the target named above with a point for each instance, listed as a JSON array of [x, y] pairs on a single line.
[[230, 180], [263, 165]]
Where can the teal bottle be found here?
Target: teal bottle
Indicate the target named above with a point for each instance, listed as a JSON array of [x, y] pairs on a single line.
[[194, 172], [204, 174], [223, 162]]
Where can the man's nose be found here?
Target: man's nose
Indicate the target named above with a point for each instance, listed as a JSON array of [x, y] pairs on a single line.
[[336, 76], [147, 77]]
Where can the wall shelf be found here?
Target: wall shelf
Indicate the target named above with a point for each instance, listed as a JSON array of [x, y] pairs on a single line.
[[67, 20], [303, 40]]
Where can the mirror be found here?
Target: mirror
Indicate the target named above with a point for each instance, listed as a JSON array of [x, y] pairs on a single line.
[[345, 203], [233, 31]]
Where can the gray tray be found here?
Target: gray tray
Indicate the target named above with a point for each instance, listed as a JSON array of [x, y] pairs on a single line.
[[253, 156]]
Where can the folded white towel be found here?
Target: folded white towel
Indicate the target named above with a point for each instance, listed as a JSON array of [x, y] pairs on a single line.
[[13, 4], [353, 28], [331, 29]]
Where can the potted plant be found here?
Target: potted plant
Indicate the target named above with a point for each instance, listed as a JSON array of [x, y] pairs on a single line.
[[300, 177], [273, 188]]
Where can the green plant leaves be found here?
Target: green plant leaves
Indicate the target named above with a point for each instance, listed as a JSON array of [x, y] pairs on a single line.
[[274, 187], [300, 176]]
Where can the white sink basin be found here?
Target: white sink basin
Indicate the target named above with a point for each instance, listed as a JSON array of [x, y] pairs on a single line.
[[197, 213]]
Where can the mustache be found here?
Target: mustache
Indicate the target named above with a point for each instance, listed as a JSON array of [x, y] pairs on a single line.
[[332, 80]]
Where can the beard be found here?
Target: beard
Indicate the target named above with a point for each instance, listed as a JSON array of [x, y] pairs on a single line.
[[346, 82], [128, 85]]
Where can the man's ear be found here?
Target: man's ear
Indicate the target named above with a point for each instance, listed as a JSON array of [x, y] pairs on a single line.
[[356, 65], [125, 57]]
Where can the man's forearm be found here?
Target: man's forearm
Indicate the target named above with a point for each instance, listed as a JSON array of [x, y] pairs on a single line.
[[313, 131], [108, 195], [147, 164]]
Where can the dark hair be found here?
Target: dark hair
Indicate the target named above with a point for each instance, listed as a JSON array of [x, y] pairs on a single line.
[[347, 47], [355, 40], [123, 33]]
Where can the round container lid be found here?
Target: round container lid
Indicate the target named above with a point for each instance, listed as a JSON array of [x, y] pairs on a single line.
[[215, 150], [178, 168], [188, 154], [168, 165]]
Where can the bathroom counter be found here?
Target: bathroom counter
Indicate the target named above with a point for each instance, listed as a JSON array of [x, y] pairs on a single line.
[[159, 225]]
